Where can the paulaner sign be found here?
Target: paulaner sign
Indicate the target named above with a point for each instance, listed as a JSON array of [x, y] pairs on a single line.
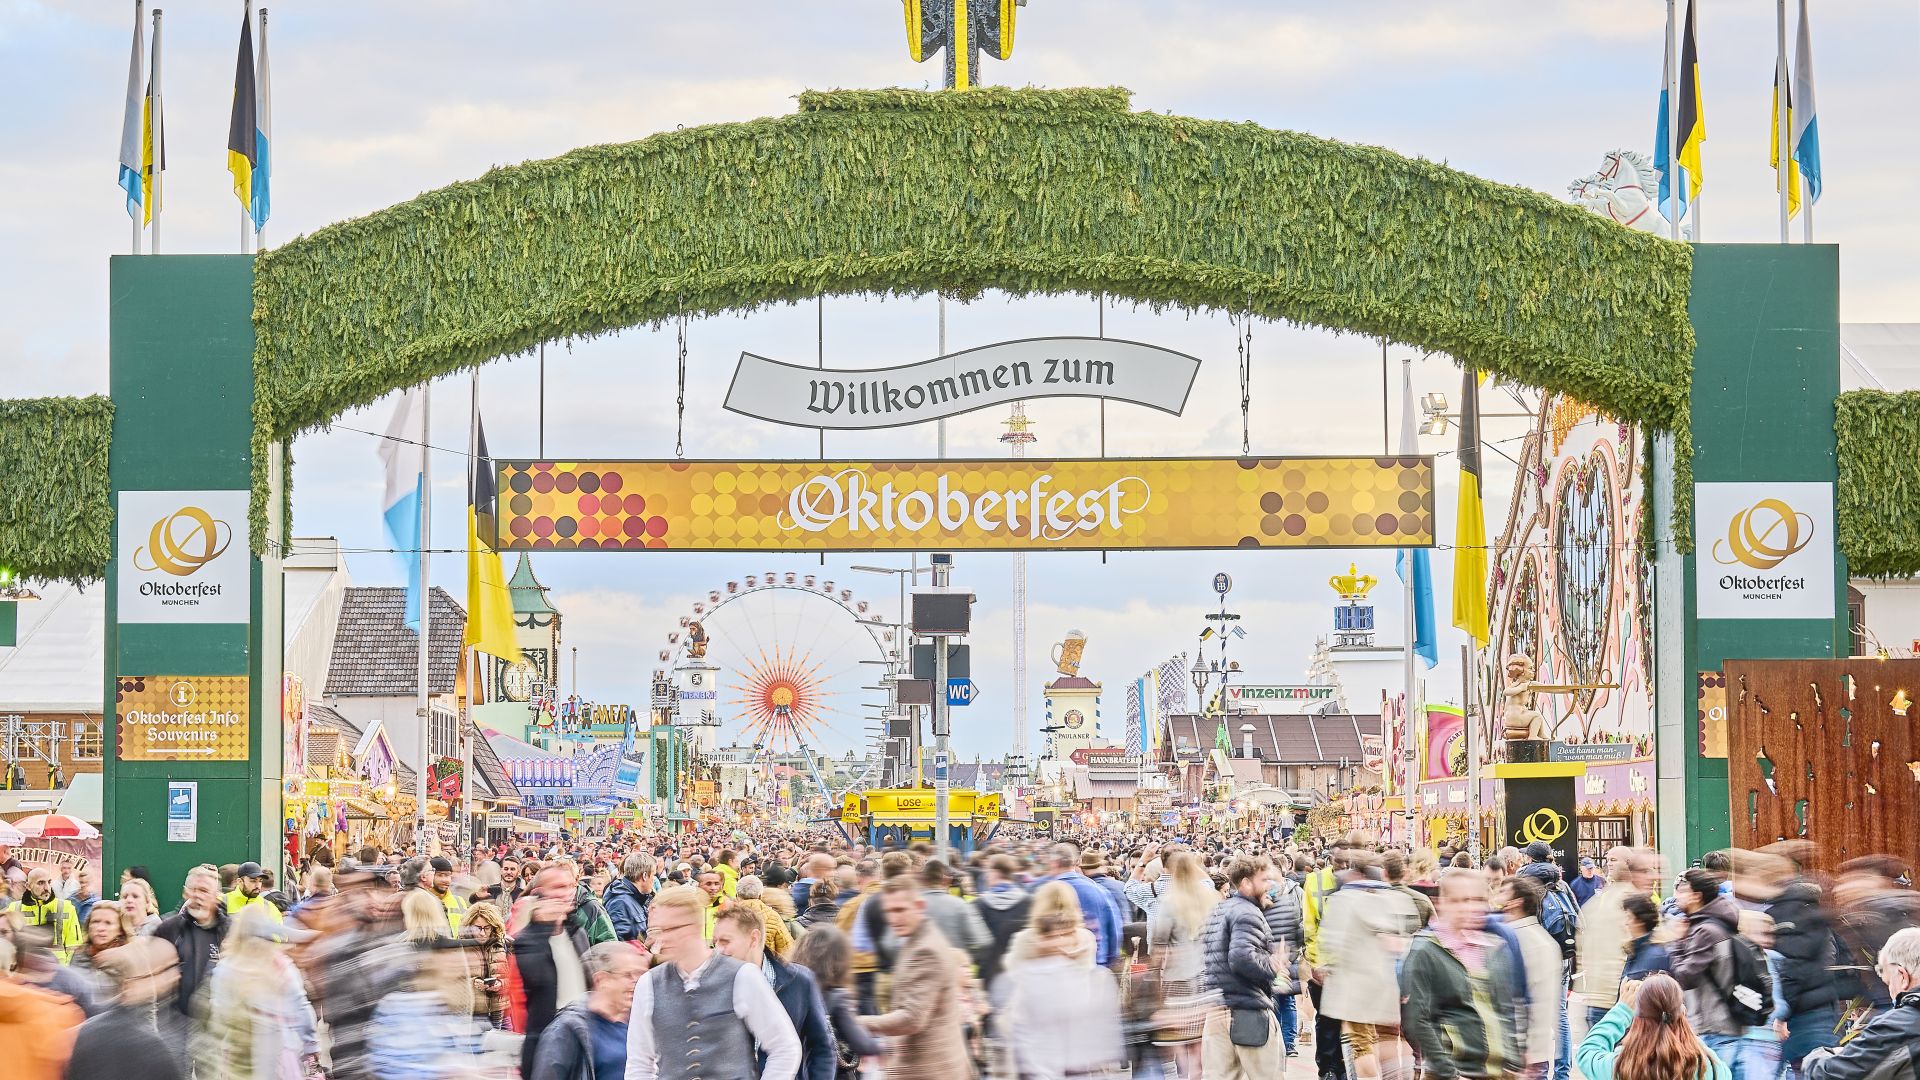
[[962, 382], [999, 504]]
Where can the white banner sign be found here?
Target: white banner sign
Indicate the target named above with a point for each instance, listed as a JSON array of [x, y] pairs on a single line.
[[183, 557], [962, 382], [1764, 550]]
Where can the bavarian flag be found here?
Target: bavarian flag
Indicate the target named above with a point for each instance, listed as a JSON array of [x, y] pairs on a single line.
[[1470, 530], [133, 124], [1693, 118], [1792, 179], [243, 147], [489, 603]]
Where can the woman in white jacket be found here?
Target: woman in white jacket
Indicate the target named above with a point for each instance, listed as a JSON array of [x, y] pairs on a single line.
[[1519, 899], [1062, 1012]]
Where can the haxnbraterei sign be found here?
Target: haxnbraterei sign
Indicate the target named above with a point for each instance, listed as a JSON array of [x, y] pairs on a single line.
[[962, 382], [1000, 504]]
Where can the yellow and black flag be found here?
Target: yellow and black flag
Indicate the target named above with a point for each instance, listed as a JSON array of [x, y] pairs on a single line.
[[489, 602], [243, 146], [962, 28], [1470, 529], [1692, 128]]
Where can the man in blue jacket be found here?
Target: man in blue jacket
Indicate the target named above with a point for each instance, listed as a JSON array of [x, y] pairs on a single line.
[[740, 934], [628, 896], [1097, 905]]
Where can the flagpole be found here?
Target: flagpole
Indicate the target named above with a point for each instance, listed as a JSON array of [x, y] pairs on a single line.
[[1472, 710], [1674, 207], [246, 217], [260, 80], [1413, 633], [426, 622], [1782, 120], [473, 680], [139, 16], [156, 120]]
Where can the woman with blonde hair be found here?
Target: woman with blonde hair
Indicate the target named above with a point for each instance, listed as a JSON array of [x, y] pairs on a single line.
[[106, 929], [259, 1023], [483, 926], [1054, 906], [424, 916], [138, 908], [1063, 1012], [1176, 953]]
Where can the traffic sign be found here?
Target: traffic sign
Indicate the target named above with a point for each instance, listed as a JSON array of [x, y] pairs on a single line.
[[961, 692], [959, 661]]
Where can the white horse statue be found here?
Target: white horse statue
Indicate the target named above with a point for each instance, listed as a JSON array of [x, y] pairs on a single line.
[[1624, 189]]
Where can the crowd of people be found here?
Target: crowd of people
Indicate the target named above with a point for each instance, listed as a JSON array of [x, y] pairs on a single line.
[[793, 954]]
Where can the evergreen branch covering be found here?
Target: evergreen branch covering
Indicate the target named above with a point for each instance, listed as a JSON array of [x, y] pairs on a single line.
[[1879, 489], [1030, 191], [56, 513]]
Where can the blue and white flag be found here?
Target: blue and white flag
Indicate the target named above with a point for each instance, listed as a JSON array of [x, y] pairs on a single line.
[[403, 459], [133, 123], [1806, 122], [1424, 642], [261, 204], [1673, 194]]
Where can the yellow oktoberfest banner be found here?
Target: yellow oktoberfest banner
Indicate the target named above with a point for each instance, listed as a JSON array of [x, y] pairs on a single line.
[[998, 504], [181, 718]]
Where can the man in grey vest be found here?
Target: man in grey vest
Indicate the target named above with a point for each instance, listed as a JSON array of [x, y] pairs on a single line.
[[700, 1015]]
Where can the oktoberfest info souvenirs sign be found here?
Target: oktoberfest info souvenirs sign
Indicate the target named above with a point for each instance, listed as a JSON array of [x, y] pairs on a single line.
[[962, 382], [998, 504], [181, 718]]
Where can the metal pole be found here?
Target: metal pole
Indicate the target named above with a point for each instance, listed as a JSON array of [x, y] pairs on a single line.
[[1671, 209], [1783, 123], [542, 410], [941, 727], [156, 116], [260, 117], [1473, 755], [426, 622], [1386, 420], [940, 428], [474, 672]]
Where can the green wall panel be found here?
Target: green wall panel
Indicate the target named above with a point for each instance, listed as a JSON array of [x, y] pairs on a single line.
[[182, 383], [1766, 370]]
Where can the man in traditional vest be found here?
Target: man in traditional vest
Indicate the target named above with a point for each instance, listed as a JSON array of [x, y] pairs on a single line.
[[700, 1015]]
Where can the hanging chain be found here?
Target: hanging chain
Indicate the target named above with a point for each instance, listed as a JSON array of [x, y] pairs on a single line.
[[680, 401], [1243, 340]]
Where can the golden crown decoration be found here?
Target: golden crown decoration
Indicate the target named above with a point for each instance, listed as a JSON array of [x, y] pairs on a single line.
[[1353, 585]]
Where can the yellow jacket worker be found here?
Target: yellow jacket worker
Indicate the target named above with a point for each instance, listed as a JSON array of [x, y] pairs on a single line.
[[41, 908], [249, 885]]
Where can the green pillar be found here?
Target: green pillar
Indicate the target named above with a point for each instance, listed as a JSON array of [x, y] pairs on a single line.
[[182, 384], [1766, 371]]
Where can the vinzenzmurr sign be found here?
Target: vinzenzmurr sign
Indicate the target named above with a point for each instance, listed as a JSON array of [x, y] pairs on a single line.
[[962, 382]]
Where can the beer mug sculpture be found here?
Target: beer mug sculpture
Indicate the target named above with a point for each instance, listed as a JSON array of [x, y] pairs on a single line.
[[1066, 654]]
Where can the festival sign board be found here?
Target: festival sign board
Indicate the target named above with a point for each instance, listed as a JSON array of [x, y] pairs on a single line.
[[183, 557], [1766, 550], [1254, 697], [1087, 367], [997, 504], [181, 718]]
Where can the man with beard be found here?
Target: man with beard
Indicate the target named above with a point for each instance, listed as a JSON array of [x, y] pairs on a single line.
[[195, 932]]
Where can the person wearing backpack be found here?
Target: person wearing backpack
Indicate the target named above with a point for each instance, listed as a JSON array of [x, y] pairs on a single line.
[[1724, 974], [1560, 918]]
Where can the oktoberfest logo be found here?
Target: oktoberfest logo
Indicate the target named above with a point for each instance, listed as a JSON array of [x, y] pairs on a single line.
[[1764, 535], [183, 542], [1544, 825]]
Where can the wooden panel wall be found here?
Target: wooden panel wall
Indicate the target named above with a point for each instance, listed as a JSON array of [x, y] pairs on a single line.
[[1843, 760]]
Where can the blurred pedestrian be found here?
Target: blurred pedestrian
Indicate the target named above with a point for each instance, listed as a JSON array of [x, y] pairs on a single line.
[[588, 1039], [826, 952], [37, 1027], [741, 934], [1889, 1046], [1703, 962], [1062, 1012], [925, 1017], [1363, 935], [1458, 1009], [258, 1022], [195, 932], [138, 1036], [1242, 1039]]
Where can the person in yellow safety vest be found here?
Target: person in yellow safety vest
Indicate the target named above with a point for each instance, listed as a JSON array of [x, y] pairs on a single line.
[[439, 878], [40, 907], [729, 875], [1319, 886], [249, 888]]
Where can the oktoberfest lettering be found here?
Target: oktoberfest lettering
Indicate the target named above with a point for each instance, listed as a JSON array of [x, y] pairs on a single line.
[[1036, 510]]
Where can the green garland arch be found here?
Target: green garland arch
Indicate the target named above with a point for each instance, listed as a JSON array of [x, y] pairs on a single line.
[[1030, 191], [1879, 458], [56, 508]]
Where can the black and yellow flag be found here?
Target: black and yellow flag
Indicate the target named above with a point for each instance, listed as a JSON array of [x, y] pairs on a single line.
[[1470, 528], [1692, 130], [489, 602], [243, 146]]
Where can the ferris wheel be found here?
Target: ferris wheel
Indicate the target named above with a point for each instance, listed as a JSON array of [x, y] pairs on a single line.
[[791, 648]]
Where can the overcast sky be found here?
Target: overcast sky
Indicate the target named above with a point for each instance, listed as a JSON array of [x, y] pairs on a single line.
[[374, 103]]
